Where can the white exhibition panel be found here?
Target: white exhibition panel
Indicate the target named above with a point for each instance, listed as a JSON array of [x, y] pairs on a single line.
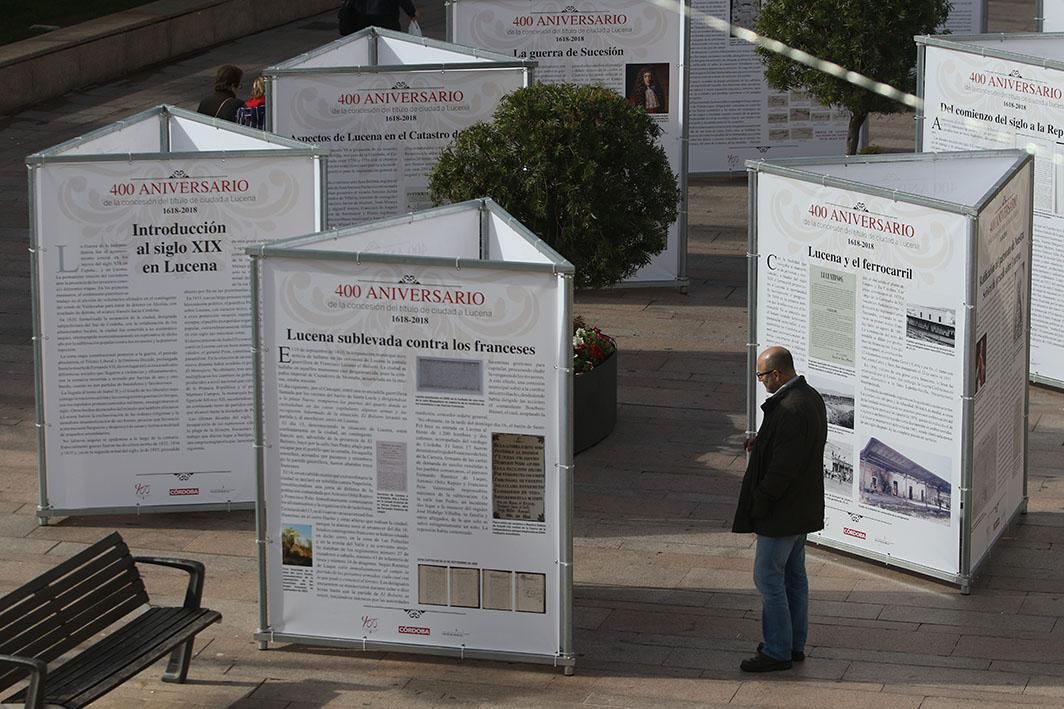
[[143, 288], [948, 180], [1052, 15], [1030, 47], [194, 136], [909, 314], [394, 50], [974, 101], [735, 116], [339, 53], [999, 434], [839, 274], [605, 42], [454, 235], [506, 243], [414, 418], [384, 129], [143, 134]]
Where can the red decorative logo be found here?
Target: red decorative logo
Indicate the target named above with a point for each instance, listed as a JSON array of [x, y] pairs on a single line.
[[414, 630], [854, 533], [179, 491]]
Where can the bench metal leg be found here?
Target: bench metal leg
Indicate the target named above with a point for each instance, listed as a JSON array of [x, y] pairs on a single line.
[[177, 667]]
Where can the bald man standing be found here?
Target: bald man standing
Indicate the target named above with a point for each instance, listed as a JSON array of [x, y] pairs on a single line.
[[782, 499]]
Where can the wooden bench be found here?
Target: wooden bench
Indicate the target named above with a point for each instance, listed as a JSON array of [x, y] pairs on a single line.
[[71, 604]]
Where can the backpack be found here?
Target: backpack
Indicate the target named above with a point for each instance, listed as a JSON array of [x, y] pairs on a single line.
[[252, 116]]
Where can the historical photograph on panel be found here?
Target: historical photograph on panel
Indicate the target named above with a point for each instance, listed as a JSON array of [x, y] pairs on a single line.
[[838, 470], [465, 587], [913, 485], [744, 13], [839, 400], [531, 593], [391, 466], [498, 590], [937, 326], [518, 481], [437, 375], [297, 545], [431, 585], [648, 86]]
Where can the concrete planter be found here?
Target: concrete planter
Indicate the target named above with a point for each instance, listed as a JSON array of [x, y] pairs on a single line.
[[594, 404]]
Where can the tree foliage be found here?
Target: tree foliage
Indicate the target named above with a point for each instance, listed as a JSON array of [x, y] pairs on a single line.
[[578, 166], [871, 38]]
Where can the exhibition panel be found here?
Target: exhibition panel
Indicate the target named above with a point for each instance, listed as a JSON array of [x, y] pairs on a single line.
[[415, 454], [385, 104], [901, 286], [636, 48], [141, 306], [1004, 91], [736, 116]]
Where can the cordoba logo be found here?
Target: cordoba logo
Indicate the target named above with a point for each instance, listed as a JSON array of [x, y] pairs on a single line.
[[414, 630], [854, 533], [179, 491]]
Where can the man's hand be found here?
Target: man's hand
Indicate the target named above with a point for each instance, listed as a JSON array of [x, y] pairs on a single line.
[[748, 444]]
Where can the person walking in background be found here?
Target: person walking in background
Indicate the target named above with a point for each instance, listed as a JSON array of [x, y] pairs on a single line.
[[781, 500], [253, 112], [356, 15], [223, 102]]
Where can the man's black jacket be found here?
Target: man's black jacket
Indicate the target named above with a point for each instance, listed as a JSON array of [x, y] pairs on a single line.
[[783, 489]]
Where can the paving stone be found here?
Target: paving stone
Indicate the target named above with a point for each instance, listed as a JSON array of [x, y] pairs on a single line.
[[919, 678], [819, 696], [970, 702], [967, 619]]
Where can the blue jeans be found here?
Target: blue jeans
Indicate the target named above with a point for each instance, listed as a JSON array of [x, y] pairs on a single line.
[[779, 574]]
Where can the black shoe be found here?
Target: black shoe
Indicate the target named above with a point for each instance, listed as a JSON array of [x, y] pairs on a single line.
[[796, 656], [764, 663]]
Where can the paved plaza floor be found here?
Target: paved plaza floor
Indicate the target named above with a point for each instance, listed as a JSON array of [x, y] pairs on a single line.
[[664, 602]]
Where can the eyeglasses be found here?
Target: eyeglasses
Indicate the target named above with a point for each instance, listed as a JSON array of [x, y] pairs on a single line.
[[758, 375]]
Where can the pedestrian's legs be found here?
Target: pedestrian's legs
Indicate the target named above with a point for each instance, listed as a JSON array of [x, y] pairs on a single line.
[[797, 585], [770, 564]]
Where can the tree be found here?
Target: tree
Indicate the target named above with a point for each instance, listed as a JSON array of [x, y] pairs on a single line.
[[871, 38], [579, 166]]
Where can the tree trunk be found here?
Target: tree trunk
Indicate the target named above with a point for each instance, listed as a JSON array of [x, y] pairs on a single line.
[[853, 136]]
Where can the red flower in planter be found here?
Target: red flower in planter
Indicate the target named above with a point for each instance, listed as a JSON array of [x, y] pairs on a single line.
[[590, 346]]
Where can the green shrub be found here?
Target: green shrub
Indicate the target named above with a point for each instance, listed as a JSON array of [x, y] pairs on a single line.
[[578, 166]]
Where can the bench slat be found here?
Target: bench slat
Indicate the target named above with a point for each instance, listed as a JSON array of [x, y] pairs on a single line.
[[68, 610], [53, 644], [107, 664], [53, 629], [69, 605], [112, 540], [19, 611]]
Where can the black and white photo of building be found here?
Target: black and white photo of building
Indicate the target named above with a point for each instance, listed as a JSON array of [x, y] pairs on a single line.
[[892, 481], [838, 470], [927, 324]]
